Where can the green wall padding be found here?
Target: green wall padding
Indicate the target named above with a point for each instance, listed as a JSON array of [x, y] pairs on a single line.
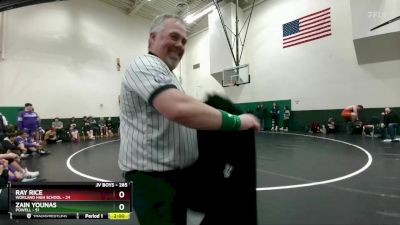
[[250, 107], [299, 120], [11, 113]]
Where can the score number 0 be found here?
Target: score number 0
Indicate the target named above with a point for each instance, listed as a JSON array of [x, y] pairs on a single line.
[[121, 206]]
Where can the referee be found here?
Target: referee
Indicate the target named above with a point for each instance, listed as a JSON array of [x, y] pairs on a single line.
[[158, 126]]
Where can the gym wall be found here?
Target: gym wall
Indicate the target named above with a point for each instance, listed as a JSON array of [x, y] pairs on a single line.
[[61, 57], [319, 75]]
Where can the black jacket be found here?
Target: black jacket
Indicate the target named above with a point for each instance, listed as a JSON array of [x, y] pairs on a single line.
[[392, 117]]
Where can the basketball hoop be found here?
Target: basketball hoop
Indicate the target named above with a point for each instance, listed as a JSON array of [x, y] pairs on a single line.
[[233, 83], [236, 76]]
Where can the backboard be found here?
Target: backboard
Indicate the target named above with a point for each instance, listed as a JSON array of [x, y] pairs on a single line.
[[236, 76]]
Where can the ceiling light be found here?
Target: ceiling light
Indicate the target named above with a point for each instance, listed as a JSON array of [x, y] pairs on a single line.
[[195, 16]]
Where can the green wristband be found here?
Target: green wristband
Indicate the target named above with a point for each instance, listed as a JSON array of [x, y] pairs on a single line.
[[229, 121]]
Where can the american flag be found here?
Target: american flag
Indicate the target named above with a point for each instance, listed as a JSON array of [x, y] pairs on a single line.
[[307, 28]]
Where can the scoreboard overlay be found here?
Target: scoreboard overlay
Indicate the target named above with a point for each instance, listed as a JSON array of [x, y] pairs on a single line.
[[60, 200]]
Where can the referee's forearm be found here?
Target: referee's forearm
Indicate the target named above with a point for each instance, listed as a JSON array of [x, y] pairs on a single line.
[[199, 116], [187, 111]]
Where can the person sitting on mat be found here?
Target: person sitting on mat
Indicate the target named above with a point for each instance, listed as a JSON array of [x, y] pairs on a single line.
[[28, 145], [50, 137], [87, 128], [12, 157], [110, 127], [331, 125]]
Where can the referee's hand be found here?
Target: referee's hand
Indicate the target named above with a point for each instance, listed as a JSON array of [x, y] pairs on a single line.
[[248, 121]]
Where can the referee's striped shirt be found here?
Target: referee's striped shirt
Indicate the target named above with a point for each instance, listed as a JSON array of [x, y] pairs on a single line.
[[149, 141]]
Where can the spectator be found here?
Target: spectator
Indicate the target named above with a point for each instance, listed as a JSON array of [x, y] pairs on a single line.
[[109, 125], [73, 129], [3, 175], [27, 145], [10, 154], [331, 125], [8, 144], [314, 128], [391, 121], [369, 128], [14, 174], [8, 173], [29, 121], [94, 126], [275, 117], [40, 132], [58, 126], [73, 122], [103, 127], [50, 137], [261, 114], [87, 128], [3, 125], [286, 116]]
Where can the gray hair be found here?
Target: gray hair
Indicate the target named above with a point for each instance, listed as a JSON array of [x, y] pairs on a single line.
[[158, 23]]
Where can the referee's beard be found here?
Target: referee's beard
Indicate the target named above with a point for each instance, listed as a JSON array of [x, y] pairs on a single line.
[[172, 61]]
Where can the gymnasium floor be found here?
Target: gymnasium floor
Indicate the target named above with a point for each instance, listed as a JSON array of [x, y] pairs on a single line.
[[301, 179]]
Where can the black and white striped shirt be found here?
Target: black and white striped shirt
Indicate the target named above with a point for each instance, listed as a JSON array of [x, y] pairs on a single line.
[[149, 141]]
